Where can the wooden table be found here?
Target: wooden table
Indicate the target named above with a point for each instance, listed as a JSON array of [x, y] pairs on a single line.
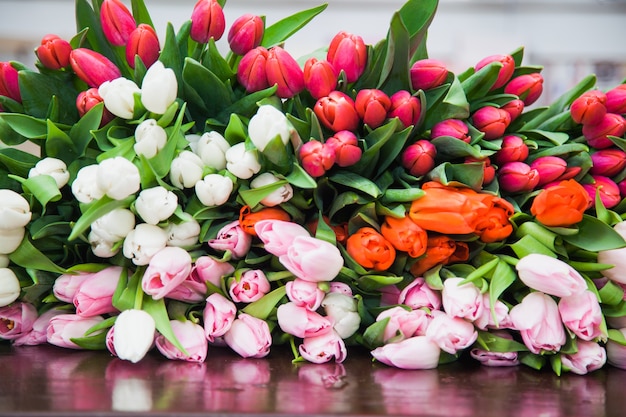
[[50, 381]]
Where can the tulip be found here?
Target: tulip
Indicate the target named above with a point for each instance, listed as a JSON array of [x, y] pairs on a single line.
[[419, 352], [372, 106], [514, 108], [207, 21], [37, 335], [489, 171], [248, 286], [348, 53], [342, 311], [65, 327], [316, 158], [191, 337], [16, 319], [218, 315], [134, 335], [144, 43], [598, 135], [492, 121], [337, 112], [232, 238], [87, 100], [451, 127], [92, 67], [211, 147], [159, 88], [407, 108], [115, 225], [513, 149], [183, 234], [242, 163], [518, 177], [427, 74], [186, 170], [550, 275], [581, 313], [608, 162], [419, 158], [95, 294], [303, 255], [418, 295], [252, 70], [561, 205], [150, 138], [66, 285], [464, 301], [616, 100], [346, 147], [370, 249], [320, 78], [405, 235], [549, 168], [539, 322], [214, 190], [302, 322], [324, 347], [10, 239], [496, 317], [267, 124], [451, 334], [606, 188], [283, 71], [54, 52], [249, 336], [589, 108], [156, 204], [205, 270], [143, 242], [246, 33], [167, 269], [9, 85], [14, 210], [528, 87], [102, 247], [505, 73], [278, 235], [496, 359], [119, 97], [615, 257], [616, 352], [117, 22], [118, 177], [589, 357], [276, 197], [403, 324], [305, 294], [9, 287]]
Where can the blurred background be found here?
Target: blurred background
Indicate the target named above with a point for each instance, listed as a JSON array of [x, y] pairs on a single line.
[[569, 38]]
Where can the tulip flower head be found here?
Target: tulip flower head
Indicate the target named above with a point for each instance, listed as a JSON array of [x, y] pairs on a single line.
[[348, 53], [144, 43], [117, 22], [9, 86], [207, 21], [320, 77], [527, 87], [506, 71], [54, 52], [246, 33], [427, 74]]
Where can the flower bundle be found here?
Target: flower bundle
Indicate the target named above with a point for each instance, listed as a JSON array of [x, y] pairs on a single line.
[[182, 198]]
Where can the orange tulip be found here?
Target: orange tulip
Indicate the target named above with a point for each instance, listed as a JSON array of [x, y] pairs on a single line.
[[561, 205], [405, 235], [441, 250], [370, 249], [493, 224], [247, 218]]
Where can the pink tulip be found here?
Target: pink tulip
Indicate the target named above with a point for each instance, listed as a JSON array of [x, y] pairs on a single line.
[[278, 235], [419, 352], [451, 127], [303, 259], [589, 108], [283, 70], [65, 327], [9, 85], [489, 171], [419, 158], [323, 348], [513, 149], [252, 70], [487, 319], [86, 100], [117, 22], [514, 108], [248, 286], [16, 320], [505, 73], [246, 33], [406, 107], [95, 295], [427, 74], [550, 275], [37, 335], [616, 100], [166, 270], [615, 257], [418, 294], [305, 294], [205, 270], [346, 148], [549, 168], [232, 238], [302, 322], [316, 158], [538, 320], [517, 177], [207, 21], [340, 287], [372, 106], [492, 121], [218, 315], [403, 324], [144, 43], [348, 53], [66, 286], [616, 352], [598, 135], [337, 112], [320, 78], [191, 337], [451, 334], [608, 162], [54, 52], [464, 301], [581, 313], [496, 359], [249, 336], [92, 67], [606, 188], [528, 87], [590, 356]]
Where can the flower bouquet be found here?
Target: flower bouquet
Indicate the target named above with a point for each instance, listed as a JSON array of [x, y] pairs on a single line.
[[182, 199]]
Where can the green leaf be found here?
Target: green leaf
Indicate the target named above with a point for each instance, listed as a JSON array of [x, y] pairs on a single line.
[[247, 105], [215, 62], [59, 144], [449, 147], [96, 210], [299, 178], [204, 89], [283, 29], [94, 342], [617, 337], [373, 336], [374, 282], [479, 84], [29, 257], [417, 15], [611, 293], [43, 187], [41, 91], [27, 126], [262, 308], [171, 56], [253, 196], [356, 182], [453, 105], [158, 311], [17, 161], [527, 245], [126, 290], [140, 12], [494, 343], [594, 235], [395, 73], [80, 133]]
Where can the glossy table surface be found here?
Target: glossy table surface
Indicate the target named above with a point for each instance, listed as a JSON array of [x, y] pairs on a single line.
[[50, 381]]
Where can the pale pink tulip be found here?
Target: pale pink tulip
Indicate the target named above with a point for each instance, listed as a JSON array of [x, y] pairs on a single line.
[[232, 238], [589, 357], [304, 293], [418, 294], [191, 337], [250, 286], [322, 348], [615, 257], [278, 235], [487, 319], [312, 259], [403, 324], [95, 295], [65, 327], [219, 314], [37, 335], [616, 353], [464, 301], [249, 336], [66, 285], [419, 352], [550, 275], [539, 322], [166, 270], [301, 322], [451, 334], [16, 320], [581, 313]]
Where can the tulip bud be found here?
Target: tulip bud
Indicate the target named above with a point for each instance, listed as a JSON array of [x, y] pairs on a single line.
[[242, 163], [278, 196], [150, 138], [115, 225], [207, 21], [9, 86], [119, 97], [320, 78], [337, 112], [53, 167], [342, 311], [14, 210], [610, 125], [211, 148], [156, 204], [54, 52], [11, 239], [405, 107], [252, 71], [608, 162], [550, 168], [489, 171], [346, 148], [492, 121], [372, 106], [183, 234], [348, 52], [267, 124], [9, 287], [517, 177], [117, 22], [118, 177], [92, 67], [134, 334], [527, 87], [283, 70], [505, 73], [514, 108], [513, 149], [589, 108], [451, 127], [246, 33], [85, 187], [427, 74], [87, 99], [159, 88], [317, 158], [607, 189], [144, 43], [419, 158], [214, 190], [616, 100], [143, 242]]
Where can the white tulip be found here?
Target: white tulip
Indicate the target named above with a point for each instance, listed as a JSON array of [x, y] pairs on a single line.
[[214, 190], [53, 167], [266, 124], [102, 247], [193, 139], [186, 170], [156, 204], [211, 148], [9, 287], [115, 225], [159, 88], [279, 196], [4, 260], [342, 310], [241, 162], [150, 138], [85, 187], [118, 177], [133, 335], [119, 96], [183, 234], [14, 210], [10, 239], [143, 242]]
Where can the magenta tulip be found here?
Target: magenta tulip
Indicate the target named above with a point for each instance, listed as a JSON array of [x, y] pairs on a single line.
[[505, 73], [455, 128], [282, 70], [428, 73], [117, 22], [492, 121], [207, 21], [246, 33], [320, 77], [407, 108], [252, 70], [92, 67], [527, 87], [348, 53], [419, 158]]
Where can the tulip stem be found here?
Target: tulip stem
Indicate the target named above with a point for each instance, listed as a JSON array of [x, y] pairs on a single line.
[[138, 298]]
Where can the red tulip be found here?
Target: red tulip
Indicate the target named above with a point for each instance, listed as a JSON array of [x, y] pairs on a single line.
[[282, 70], [492, 121], [513, 149], [616, 100], [527, 87], [143, 42], [9, 86], [427, 74], [207, 21], [93, 67], [550, 168], [372, 106], [54, 52], [348, 52], [86, 100], [320, 78], [608, 162], [346, 148], [337, 112], [246, 33], [317, 158], [405, 107], [419, 158], [117, 22], [514, 108], [608, 190], [505, 73], [252, 72], [610, 125], [517, 177], [451, 127], [589, 108]]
